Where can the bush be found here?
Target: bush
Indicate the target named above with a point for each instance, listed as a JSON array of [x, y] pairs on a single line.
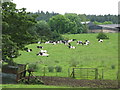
[[51, 69], [113, 66], [56, 61], [58, 69], [33, 67], [74, 63], [102, 35]]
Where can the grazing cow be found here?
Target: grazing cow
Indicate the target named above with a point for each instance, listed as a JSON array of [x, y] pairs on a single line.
[[87, 42], [29, 50], [74, 39], [54, 43], [66, 42], [79, 42], [100, 40], [40, 47], [47, 42], [70, 40], [42, 54], [39, 42], [43, 51], [73, 47]]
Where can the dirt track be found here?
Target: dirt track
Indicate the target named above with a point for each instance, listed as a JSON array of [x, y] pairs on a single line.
[[64, 81]]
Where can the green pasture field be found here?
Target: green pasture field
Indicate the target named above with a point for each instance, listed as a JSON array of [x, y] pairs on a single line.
[[96, 55]]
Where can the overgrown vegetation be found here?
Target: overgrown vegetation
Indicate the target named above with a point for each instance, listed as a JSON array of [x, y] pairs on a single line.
[[102, 35], [58, 69], [51, 69], [34, 67]]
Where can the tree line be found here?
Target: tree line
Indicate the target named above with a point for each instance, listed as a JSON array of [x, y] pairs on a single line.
[[112, 19], [103, 18]]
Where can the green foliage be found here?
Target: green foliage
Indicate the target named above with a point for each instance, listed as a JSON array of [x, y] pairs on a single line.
[[106, 22], [75, 26], [56, 61], [44, 15], [102, 35], [56, 36], [59, 23], [112, 66], [68, 23], [42, 30], [51, 69], [102, 18], [58, 69], [33, 67], [16, 23], [9, 49], [74, 63], [83, 17]]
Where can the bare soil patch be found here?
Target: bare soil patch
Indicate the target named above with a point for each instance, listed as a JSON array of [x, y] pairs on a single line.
[[66, 81]]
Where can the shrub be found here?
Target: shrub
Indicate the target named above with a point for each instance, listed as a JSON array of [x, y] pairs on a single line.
[[50, 68], [56, 61], [113, 66], [33, 67], [74, 63], [102, 35], [58, 69]]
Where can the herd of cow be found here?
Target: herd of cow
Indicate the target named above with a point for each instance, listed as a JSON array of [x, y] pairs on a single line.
[[65, 42]]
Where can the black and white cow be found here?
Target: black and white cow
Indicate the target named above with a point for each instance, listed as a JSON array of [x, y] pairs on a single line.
[[29, 50], [79, 42], [87, 42], [73, 47], [100, 40], [40, 47], [43, 51], [42, 54], [39, 42]]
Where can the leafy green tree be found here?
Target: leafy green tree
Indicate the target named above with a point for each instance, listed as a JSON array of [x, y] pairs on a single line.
[[16, 23], [102, 35], [83, 17], [78, 27], [43, 30], [59, 23]]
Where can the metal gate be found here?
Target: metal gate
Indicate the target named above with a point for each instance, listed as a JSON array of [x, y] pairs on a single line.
[[85, 73]]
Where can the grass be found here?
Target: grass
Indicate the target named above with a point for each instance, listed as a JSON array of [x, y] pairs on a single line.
[[96, 55], [30, 86]]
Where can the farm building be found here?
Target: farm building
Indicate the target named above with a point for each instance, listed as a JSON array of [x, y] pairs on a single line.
[[108, 28]]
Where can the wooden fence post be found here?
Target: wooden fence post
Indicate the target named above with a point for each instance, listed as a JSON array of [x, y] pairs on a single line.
[[87, 73], [68, 72], [73, 73], [44, 71], [96, 73], [102, 74]]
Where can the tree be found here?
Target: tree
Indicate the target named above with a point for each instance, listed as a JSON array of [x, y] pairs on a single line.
[[43, 30], [59, 24], [78, 27], [16, 23]]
